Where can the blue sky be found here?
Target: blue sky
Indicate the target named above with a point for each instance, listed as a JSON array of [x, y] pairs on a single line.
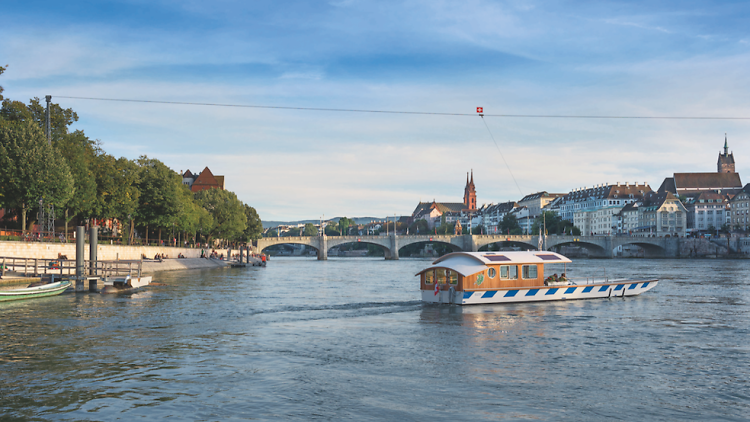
[[676, 58]]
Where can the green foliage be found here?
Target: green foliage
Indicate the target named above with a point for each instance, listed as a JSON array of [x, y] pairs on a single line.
[[79, 152], [31, 169], [419, 227], [509, 225], [254, 229], [227, 211], [344, 224], [554, 223], [60, 118], [331, 230], [2, 69], [160, 192], [310, 230], [117, 191], [478, 230]]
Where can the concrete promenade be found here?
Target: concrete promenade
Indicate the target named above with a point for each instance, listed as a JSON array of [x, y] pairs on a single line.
[[105, 252]]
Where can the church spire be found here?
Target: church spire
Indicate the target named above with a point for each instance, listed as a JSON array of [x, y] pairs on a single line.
[[472, 178], [726, 146]]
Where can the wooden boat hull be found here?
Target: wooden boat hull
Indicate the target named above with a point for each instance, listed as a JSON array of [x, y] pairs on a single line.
[[625, 288], [46, 290]]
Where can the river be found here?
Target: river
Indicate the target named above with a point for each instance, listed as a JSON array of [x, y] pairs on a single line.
[[349, 339]]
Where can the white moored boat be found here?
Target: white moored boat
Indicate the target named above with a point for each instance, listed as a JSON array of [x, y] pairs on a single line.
[[467, 278]]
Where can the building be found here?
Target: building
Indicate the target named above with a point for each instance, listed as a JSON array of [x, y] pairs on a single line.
[[662, 215], [595, 211], [433, 211], [725, 164], [725, 180], [202, 181], [739, 206], [537, 201], [707, 211], [493, 214]]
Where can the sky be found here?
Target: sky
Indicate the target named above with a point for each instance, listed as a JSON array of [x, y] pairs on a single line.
[[669, 58]]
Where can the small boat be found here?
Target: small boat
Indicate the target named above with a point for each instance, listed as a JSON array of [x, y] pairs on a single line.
[[124, 284], [43, 290], [467, 278]]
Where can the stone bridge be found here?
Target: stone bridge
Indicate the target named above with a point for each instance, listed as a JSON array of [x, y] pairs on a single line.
[[597, 246]]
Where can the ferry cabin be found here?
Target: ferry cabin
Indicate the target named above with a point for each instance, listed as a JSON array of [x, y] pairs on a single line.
[[505, 277]]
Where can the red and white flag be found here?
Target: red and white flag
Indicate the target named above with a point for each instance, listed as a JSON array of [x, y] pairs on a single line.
[[480, 109], [437, 288]]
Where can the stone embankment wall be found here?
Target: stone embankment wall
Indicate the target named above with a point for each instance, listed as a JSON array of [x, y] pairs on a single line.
[[699, 248], [104, 252]]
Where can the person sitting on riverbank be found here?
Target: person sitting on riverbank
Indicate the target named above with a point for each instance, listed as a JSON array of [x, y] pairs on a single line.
[[61, 256]]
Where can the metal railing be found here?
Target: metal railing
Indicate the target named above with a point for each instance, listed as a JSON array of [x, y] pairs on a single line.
[[33, 267]]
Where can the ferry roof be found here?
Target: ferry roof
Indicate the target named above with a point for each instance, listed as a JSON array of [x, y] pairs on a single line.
[[468, 263]]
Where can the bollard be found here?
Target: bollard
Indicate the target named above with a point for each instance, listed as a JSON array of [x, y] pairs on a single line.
[[93, 246], [79, 258]]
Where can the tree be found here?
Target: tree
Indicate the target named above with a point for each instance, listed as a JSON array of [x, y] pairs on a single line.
[[160, 189], [2, 69], [254, 229], [31, 169], [310, 230], [510, 224], [227, 211], [79, 152], [344, 224], [419, 226]]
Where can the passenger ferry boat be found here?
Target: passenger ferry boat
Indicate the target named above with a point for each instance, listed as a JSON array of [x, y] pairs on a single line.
[[467, 278]]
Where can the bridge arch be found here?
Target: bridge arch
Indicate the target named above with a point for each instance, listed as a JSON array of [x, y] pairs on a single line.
[[332, 243], [593, 249], [651, 250], [402, 249]]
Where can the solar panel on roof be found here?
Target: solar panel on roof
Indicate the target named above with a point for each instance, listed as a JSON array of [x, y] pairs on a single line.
[[548, 257], [495, 258]]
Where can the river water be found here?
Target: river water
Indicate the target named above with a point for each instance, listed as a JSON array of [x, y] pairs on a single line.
[[349, 339]]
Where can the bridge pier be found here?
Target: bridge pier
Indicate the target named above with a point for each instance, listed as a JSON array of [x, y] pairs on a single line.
[[322, 247], [393, 249]]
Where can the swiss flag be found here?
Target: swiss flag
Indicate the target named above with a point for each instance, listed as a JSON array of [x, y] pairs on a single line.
[[480, 109]]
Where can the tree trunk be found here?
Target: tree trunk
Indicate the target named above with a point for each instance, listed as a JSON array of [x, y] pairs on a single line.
[[66, 224], [159, 243], [132, 232], [146, 234], [23, 218]]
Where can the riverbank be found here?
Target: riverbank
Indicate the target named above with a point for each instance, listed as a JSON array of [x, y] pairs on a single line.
[[151, 267]]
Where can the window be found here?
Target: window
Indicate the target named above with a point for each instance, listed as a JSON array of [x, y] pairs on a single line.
[[452, 276], [491, 273], [440, 279], [529, 271], [429, 277], [509, 272]]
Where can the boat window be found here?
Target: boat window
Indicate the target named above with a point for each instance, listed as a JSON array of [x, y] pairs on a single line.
[[452, 276], [508, 272], [528, 271], [491, 273], [440, 279], [429, 276]]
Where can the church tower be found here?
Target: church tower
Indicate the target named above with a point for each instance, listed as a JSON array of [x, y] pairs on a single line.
[[470, 193], [726, 160]]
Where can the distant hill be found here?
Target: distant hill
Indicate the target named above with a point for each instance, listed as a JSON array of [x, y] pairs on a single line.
[[358, 220]]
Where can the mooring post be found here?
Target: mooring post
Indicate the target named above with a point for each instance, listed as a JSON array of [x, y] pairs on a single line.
[[242, 251], [93, 246], [80, 234]]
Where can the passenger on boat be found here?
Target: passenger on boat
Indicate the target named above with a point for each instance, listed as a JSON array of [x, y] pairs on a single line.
[[563, 278]]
